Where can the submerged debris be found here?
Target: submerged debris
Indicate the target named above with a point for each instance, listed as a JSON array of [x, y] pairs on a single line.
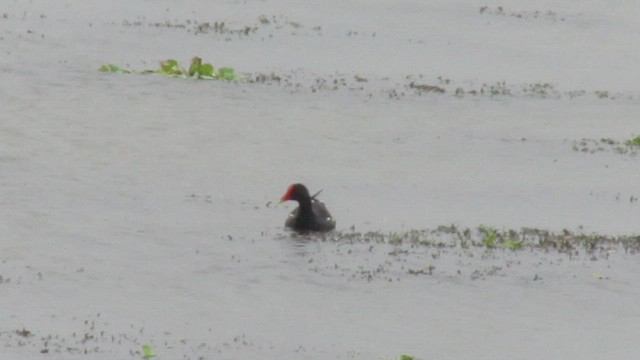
[[591, 146]]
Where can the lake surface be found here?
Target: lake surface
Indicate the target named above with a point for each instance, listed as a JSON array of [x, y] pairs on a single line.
[[142, 209]]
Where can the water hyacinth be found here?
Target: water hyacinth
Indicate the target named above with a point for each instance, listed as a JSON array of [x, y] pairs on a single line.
[[172, 68]]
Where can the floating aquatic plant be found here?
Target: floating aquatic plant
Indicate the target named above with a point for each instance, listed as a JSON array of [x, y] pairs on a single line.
[[147, 351], [489, 239], [171, 67], [512, 244], [114, 68], [633, 142]]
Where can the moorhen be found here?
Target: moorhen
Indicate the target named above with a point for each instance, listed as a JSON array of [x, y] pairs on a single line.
[[311, 214]]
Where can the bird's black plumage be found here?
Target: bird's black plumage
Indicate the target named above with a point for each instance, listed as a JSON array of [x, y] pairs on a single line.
[[311, 213]]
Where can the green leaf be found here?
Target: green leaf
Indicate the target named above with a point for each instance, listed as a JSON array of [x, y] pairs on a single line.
[[168, 64], [512, 244], [633, 142], [489, 239], [170, 67], [113, 68], [194, 69], [147, 351], [406, 357], [226, 73], [206, 70]]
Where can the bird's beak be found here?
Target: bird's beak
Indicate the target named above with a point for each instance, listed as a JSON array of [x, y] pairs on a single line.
[[282, 199]]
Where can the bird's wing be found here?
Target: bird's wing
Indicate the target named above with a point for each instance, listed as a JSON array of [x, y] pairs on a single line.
[[322, 215], [291, 219]]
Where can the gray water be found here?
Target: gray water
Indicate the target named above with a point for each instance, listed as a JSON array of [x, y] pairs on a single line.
[[143, 209]]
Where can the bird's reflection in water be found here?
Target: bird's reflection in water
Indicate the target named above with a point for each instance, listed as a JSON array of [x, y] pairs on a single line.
[[306, 243]]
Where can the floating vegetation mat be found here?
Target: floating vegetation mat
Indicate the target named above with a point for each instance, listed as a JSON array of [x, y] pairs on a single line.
[[171, 67], [591, 146], [487, 237]]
